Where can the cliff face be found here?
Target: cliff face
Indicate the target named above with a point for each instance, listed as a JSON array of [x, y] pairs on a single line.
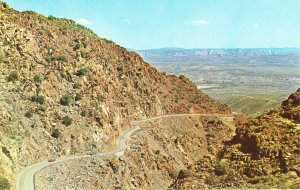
[[65, 91]]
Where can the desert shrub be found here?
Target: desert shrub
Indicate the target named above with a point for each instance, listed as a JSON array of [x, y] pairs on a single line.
[[78, 97], [84, 113], [184, 174], [100, 98], [50, 17], [66, 100], [84, 54], [13, 76], [211, 122], [220, 169], [76, 85], [56, 58], [210, 133], [2, 56], [99, 121], [67, 120], [39, 99], [113, 166], [82, 71], [4, 184], [56, 133], [120, 67], [61, 58], [48, 59], [37, 79], [29, 113], [85, 44], [40, 109], [173, 174], [76, 47], [219, 122]]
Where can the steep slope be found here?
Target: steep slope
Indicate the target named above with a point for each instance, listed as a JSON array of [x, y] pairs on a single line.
[[66, 91], [165, 148], [264, 153]]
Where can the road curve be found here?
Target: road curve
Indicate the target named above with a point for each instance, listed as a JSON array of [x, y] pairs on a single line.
[[25, 179]]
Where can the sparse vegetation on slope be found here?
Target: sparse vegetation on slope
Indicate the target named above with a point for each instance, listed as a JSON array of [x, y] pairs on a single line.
[[44, 62], [264, 153]]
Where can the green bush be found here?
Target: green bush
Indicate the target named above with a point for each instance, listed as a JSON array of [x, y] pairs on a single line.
[[85, 44], [38, 99], [78, 97], [2, 56], [84, 113], [13, 76], [220, 169], [120, 67], [29, 113], [4, 184], [184, 174], [40, 109], [82, 71], [76, 85], [56, 133], [84, 54], [37, 79], [50, 17], [67, 120], [113, 166], [61, 58], [66, 100], [173, 174], [77, 46], [100, 98]]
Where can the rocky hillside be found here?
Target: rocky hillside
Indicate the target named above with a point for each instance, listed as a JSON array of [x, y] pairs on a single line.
[[64, 90], [264, 153], [163, 153], [193, 152]]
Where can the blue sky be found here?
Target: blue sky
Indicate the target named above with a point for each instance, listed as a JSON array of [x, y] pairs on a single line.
[[144, 24]]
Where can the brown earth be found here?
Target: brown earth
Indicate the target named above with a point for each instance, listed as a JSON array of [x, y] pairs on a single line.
[[158, 155], [63, 90], [264, 153]]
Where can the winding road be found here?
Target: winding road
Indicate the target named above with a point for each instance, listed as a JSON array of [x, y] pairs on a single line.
[[25, 179]]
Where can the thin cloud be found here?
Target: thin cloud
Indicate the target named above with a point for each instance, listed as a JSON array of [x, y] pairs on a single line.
[[256, 26], [84, 22], [200, 22], [126, 21]]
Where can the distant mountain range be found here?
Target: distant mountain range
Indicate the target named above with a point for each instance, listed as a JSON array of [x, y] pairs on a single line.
[[259, 55]]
